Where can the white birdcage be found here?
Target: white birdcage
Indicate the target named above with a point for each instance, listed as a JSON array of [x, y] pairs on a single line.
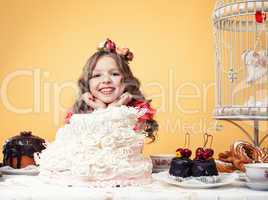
[[240, 32]]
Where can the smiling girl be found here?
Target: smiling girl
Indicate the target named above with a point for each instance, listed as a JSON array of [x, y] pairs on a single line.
[[108, 81]]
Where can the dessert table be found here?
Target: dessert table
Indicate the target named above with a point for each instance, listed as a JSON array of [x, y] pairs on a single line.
[[22, 187]]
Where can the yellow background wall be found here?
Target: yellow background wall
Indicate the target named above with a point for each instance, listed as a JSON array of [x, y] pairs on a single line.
[[44, 45]]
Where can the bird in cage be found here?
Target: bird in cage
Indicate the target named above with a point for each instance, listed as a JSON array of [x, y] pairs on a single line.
[[256, 64]]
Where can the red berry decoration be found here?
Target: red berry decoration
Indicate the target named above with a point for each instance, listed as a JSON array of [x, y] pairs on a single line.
[[206, 155], [179, 150], [130, 56], [110, 45], [210, 152], [202, 153], [260, 16], [187, 153], [199, 153], [199, 149]]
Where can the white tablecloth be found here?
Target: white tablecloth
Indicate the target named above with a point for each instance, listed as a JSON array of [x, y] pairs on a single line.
[[32, 188]]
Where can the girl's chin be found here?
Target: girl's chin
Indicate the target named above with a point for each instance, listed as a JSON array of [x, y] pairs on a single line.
[[107, 100]]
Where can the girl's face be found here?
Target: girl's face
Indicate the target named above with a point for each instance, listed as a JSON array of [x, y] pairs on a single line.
[[106, 83]]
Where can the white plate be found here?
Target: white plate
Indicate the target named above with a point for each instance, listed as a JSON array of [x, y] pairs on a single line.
[[30, 170], [242, 176], [224, 179], [257, 186]]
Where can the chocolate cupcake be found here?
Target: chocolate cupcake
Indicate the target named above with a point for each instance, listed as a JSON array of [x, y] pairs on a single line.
[[204, 164], [204, 168], [181, 165], [19, 150]]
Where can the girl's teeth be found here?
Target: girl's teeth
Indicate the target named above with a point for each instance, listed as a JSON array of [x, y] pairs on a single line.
[[107, 90]]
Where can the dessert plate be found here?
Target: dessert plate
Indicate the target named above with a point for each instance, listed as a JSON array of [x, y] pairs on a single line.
[[257, 185], [30, 170], [1, 177], [222, 180], [159, 170]]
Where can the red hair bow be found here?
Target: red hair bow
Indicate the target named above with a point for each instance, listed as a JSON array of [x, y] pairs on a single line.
[[150, 112]]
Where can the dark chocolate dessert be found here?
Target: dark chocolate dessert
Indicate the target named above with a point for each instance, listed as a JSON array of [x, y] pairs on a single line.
[[19, 150], [181, 165], [204, 164]]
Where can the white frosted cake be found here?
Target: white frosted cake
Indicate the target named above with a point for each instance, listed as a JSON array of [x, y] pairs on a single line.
[[98, 149]]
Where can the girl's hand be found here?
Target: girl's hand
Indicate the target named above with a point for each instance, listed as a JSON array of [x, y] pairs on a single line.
[[124, 99], [92, 102]]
